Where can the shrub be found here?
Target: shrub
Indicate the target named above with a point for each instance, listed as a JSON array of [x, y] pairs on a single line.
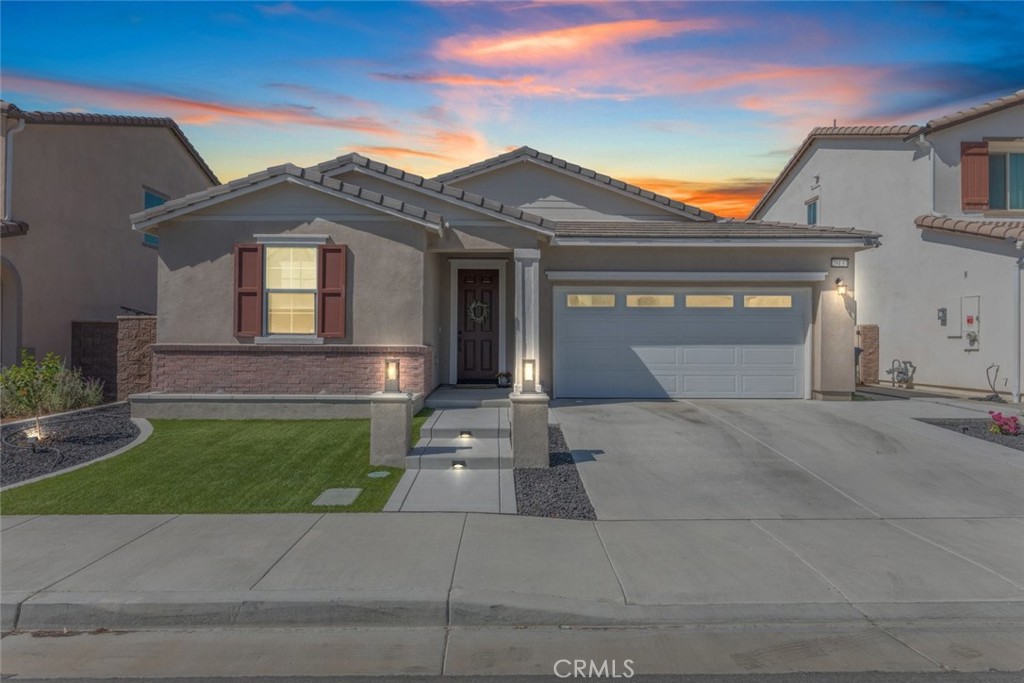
[[41, 387], [1004, 424]]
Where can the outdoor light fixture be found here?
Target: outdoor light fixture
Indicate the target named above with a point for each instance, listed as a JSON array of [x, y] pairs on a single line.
[[529, 382], [458, 464], [392, 375], [840, 287], [33, 440], [465, 435]]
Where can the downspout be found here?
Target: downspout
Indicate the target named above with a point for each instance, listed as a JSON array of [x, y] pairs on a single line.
[[9, 167], [1016, 323], [922, 142]]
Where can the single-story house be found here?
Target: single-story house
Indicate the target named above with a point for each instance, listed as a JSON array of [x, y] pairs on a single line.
[[304, 281]]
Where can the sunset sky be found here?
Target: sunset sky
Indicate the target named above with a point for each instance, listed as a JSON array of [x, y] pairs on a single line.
[[704, 102]]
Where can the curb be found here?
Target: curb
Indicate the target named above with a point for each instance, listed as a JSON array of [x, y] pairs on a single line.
[[145, 431]]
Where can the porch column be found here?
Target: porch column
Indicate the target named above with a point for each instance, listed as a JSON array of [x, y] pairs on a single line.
[[527, 321]]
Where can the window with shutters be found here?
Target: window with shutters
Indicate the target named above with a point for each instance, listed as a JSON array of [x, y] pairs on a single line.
[[1005, 181], [290, 289], [992, 176]]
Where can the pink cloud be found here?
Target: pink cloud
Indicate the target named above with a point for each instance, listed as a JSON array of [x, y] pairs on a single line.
[[188, 110]]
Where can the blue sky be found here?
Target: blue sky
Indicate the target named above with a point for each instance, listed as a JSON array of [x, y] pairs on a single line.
[[702, 101]]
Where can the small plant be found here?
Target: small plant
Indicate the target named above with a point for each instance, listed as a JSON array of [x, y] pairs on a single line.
[[1008, 425], [39, 387]]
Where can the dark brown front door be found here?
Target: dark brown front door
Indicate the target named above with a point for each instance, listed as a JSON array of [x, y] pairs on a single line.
[[478, 325]]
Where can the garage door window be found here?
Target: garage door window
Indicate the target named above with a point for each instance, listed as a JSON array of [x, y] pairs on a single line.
[[709, 301], [591, 301], [650, 301], [767, 301]]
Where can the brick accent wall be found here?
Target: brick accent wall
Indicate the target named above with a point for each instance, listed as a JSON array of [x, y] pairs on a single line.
[[867, 340], [94, 351], [286, 369], [135, 335]]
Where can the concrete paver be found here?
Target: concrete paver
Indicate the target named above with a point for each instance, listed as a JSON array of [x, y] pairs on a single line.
[[708, 562], [196, 553], [873, 561], [997, 544], [46, 549], [371, 553]]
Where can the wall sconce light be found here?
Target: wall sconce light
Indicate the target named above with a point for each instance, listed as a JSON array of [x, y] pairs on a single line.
[[529, 382], [392, 375], [840, 287]]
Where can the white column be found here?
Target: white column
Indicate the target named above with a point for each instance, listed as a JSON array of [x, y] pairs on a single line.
[[527, 322]]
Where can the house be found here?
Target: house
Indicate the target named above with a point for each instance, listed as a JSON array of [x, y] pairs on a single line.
[[70, 258], [304, 281], [948, 199]]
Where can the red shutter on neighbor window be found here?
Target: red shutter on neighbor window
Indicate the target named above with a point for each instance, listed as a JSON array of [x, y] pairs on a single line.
[[248, 290], [330, 289], [974, 176]]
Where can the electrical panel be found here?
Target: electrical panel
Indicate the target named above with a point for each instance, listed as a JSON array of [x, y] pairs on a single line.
[[970, 320]]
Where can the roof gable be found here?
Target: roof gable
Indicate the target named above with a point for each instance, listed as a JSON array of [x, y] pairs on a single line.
[[530, 155]]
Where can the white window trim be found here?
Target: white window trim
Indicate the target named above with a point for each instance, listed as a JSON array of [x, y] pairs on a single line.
[[453, 321], [288, 241], [292, 240]]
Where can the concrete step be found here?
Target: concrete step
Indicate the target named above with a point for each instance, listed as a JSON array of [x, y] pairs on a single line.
[[473, 454], [468, 397], [474, 423]]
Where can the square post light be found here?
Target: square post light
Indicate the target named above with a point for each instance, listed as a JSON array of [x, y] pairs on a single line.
[[529, 383], [392, 375]]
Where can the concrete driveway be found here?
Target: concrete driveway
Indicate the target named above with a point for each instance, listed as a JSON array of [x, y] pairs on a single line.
[[810, 460]]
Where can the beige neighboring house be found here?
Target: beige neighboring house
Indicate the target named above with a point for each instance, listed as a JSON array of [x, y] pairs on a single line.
[[294, 286], [69, 255], [948, 198]]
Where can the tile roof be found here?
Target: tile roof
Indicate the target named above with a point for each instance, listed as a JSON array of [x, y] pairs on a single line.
[[362, 195], [82, 119], [458, 195], [1001, 230], [723, 229], [528, 153], [974, 112], [12, 228], [904, 131]]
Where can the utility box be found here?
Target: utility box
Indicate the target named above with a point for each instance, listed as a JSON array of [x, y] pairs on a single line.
[[970, 320]]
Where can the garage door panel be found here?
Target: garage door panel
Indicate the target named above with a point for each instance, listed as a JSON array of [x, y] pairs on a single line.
[[626, 352]]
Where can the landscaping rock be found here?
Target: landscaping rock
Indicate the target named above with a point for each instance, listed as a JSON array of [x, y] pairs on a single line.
[[70, 440], [556, 491], [978, 428]]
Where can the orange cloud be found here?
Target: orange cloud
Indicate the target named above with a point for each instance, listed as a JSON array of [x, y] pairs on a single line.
[[562, 44], [188, 110], [733, 198], [401, 152]]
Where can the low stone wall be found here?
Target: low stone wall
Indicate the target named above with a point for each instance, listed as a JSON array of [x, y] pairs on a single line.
[[135, 335], [867, 340], [271, 369], [94, 352]]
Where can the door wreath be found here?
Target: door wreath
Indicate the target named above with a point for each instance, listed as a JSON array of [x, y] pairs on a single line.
[[478, 312]]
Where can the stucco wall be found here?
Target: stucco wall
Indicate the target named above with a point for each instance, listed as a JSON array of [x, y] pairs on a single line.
[[76, 186], [882, 185], [832, 331], [385, 271]]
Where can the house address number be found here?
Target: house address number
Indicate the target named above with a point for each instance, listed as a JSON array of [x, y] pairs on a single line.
[[840, 263]]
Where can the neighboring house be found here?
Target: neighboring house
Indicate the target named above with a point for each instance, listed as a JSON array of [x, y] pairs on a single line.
[[69, 255], [948, 198], [304, 281]]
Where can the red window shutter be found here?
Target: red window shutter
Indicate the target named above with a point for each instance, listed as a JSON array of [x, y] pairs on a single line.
[[248, 290], [330, 289], [974, 176]]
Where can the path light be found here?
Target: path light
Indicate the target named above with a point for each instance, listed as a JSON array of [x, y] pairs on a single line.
[[465, 435], [458, 464], [529, 382], [33, 440], [392, 375], [840, 287]]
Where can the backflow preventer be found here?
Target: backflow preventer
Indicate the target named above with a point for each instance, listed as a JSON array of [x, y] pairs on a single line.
[[902, 372]]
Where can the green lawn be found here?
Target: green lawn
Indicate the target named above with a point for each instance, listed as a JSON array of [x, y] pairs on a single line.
[[220, 466]]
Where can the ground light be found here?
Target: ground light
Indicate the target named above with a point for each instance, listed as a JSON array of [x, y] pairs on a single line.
[[465, 435], [458, 464]]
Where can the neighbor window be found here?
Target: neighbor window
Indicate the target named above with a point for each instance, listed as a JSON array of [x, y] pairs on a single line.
[[767, 301], [1005, 180], [812, 212], [290, 274], [591, 301], [709, 301], [149, 200], [650, 301]]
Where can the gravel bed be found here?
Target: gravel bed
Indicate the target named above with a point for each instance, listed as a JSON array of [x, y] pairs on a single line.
[[70, 440], [978, 428], [554, 492]]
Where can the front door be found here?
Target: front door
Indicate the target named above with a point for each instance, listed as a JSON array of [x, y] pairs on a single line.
[[478, 325]]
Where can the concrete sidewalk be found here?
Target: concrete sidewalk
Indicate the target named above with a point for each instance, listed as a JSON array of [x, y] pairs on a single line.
[[436, 569]]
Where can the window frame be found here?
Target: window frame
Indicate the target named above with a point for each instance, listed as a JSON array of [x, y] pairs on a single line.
[[1008, 179], [810, 204], [294, 242], [149, 240]]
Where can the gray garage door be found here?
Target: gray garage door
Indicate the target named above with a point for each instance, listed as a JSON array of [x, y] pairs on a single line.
[[645, 342]]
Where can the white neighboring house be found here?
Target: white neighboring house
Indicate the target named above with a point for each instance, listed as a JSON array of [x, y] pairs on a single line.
[[948, 199]]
